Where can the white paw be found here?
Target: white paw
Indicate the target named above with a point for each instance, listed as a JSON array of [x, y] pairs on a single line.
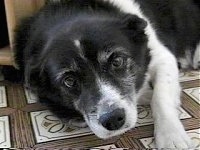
[[172, 135]]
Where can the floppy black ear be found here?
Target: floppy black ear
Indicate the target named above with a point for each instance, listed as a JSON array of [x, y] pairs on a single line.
[[133, 22], [34, 73], [134, 27]]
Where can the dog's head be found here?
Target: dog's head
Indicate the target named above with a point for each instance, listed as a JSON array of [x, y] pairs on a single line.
[[98, 65]]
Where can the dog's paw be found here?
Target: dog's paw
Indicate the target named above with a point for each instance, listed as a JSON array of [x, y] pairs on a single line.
[[172, 136]]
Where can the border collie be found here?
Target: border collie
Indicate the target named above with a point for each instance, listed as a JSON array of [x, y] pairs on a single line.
[[94, 61]]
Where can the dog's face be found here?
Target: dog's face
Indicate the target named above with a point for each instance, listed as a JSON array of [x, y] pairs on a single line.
[[98, 65]]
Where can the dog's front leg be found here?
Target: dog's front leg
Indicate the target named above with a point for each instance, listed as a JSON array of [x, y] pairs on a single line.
[[169, 131]]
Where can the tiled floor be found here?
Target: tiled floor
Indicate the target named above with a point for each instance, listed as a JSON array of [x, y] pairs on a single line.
[[145, 115], [193, 93], [112, 146], [4, 132], [48, 128], [3, 101], [24, 123], [30, 97], [194, 135]]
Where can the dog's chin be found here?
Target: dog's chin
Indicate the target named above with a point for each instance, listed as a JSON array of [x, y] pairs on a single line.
[[103, 133]]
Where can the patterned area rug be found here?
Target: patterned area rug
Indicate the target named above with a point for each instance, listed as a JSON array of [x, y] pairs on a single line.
[[24, 123]]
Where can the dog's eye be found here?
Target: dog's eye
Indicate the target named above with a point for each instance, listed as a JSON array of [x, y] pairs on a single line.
[[70, 82], [117, 62]]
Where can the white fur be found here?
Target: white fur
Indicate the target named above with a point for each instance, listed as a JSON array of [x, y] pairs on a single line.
[[169, 132], [144, 95], [188, 56], [196, 58], [184, 63], [77, 43], [111, 96], [108, 92]]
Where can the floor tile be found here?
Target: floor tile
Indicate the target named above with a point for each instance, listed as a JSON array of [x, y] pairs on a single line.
[[105, 147], [145, 115], [3, 99], [4, 132], [148, 142], [188, 76], [194, 93], [194, 135], [30, 97], [48, 128]]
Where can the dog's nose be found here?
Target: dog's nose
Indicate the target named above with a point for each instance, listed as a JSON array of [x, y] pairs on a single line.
[[113, 120]]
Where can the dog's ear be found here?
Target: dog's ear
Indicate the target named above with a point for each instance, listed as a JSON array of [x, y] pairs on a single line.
[[33, 73], [133, 22], [133, 26]]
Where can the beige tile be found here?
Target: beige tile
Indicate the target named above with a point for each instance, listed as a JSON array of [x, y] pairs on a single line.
[[188, 76], [105, 147], [47, 127], [3, 99], [194, 93], [30, 97], [194, 135], [148, 142], [4, 132], [145, 115]]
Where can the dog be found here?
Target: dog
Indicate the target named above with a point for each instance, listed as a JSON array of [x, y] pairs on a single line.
[[93, 61]]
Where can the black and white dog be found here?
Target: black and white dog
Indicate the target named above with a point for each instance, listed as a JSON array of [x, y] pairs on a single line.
[[96, 60]]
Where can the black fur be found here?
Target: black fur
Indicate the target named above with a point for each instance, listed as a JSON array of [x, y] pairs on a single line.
[[44, 47], [177, 23]]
